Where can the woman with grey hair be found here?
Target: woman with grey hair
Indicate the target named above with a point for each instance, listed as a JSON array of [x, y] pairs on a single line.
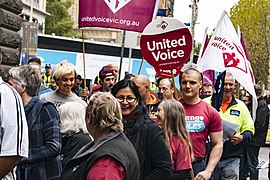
[[73, 130], [43, 160], [110, 155]]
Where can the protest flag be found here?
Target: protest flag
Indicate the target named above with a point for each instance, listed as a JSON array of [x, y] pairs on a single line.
[[132, 15], [225, 52], [245, 50]]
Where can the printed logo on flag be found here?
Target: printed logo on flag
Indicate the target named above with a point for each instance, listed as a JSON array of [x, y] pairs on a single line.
[[116, 5], [233, 55], [163, 25]]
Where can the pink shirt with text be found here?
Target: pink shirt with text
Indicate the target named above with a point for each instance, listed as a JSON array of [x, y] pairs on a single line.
[[202, 119]]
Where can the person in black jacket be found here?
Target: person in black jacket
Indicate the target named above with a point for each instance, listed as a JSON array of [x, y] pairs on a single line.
[[250, 161], [143, 133], [73, 130]]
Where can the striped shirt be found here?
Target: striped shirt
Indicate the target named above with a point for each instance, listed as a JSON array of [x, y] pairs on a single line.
[[14, 131]]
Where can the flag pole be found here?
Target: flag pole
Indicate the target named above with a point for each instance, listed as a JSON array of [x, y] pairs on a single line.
[[194, 15], [122, 53], [83, 51], [238, 90], [139, 71]]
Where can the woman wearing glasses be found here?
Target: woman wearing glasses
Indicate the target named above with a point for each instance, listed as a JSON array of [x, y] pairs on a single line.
[[143, 133]]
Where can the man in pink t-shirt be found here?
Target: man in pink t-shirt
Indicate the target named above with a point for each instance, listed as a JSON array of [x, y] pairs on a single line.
[[202, 121]]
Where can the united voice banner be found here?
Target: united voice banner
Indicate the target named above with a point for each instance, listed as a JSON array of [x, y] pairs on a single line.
[[225, 52], [132, 15]]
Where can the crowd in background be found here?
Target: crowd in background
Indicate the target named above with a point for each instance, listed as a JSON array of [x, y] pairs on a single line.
[[126, 129]]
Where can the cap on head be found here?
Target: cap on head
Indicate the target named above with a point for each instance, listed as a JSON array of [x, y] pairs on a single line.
[[48, 65], [105, 72]]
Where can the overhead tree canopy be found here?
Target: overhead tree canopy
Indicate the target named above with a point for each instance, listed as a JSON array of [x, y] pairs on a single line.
[[253, 17], [59, 22]]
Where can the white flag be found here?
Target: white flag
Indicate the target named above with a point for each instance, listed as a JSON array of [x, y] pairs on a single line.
[[225, 52]]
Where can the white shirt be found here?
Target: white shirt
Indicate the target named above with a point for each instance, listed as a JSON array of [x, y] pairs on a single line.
[[14, 130]]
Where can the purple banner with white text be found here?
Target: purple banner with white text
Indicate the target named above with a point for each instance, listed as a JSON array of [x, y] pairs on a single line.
[[132, 15]]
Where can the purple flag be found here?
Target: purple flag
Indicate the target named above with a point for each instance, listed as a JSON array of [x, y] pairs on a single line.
[[245, 50], [208, 75], [131, 15]]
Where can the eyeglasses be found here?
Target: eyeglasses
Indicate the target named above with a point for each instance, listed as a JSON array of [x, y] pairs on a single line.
[[128, 99]]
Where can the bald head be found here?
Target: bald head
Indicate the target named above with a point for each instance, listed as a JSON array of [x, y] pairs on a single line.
[[143, 84], [141, 79], [114, 68]]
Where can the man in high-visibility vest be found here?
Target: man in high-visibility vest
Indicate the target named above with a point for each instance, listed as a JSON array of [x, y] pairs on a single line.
[[47, 75], [238, 130]]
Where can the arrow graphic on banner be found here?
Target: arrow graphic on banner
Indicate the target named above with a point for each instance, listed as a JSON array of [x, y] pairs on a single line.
[[116, 5]]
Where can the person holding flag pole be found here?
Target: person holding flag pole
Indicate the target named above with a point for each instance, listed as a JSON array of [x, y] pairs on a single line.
[[225, 52]]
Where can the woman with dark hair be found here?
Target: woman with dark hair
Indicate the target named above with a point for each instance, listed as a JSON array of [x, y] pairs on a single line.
[[143, 133]]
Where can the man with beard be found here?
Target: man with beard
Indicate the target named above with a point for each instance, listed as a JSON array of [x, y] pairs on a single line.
[[107, 80]]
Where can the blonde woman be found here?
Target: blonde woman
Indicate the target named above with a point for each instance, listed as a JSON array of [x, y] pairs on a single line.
[[110, 155], [171, 117]]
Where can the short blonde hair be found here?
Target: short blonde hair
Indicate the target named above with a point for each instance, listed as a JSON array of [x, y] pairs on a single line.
[[62, 69], [105, 112], [72, 118]]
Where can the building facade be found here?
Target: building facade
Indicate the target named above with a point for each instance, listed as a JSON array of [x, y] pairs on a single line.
[[38, 14]]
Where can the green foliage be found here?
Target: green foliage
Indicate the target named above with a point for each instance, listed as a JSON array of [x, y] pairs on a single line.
[[59, 22], [253, 17], [197, 48]]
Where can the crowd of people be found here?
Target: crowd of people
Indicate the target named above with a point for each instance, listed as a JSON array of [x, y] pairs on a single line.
[[52, 127]]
